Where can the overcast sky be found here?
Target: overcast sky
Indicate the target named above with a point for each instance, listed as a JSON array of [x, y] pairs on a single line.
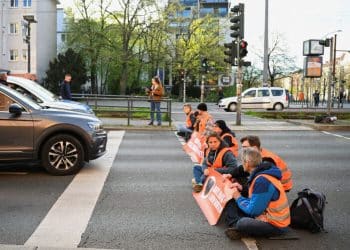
[[296, 20]]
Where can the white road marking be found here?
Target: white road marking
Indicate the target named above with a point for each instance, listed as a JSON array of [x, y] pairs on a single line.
[[336, 135], [68, 218], [250, 243]]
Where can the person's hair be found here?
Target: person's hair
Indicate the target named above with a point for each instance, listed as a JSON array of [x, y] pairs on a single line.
[[222, 125], [215, 135], [251, 155], [252, 139], [68, 74], [157, 80], [3, 76], [187, 105], [202, 106]]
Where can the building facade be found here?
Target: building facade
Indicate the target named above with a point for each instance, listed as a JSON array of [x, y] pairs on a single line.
[[14, 48]]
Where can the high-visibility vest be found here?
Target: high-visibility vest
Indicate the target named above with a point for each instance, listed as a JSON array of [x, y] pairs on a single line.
[[203, 122], [188, 120], [234, 141], [218, 159], [277, 212], [286, 179]]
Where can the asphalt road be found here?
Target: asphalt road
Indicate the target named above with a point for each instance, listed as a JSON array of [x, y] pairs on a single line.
[[146, 201]]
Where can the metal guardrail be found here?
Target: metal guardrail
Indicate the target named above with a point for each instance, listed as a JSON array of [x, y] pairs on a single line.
[[128, 104]]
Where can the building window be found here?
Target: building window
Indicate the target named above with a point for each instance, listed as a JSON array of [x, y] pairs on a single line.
[[13, 55], [14, 28], [63, 37], [14, 3], [27, 3], [24, 54]]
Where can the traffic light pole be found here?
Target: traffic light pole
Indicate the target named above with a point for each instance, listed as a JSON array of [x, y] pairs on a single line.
[[330, 77], [238, 87]]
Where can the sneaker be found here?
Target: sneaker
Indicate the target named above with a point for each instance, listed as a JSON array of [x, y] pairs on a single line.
[[151, 123], [233, 234], [197, 187]]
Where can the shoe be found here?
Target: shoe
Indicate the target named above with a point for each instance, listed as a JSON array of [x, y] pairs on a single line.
[[233, 234], [197, 187], [151, 123], [193, 182]]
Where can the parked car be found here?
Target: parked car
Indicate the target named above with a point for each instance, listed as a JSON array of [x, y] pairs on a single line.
[[43, 96], [258, 98], [61, 140]]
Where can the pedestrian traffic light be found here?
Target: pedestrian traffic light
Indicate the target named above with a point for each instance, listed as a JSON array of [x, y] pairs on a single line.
[[238, 21], [231, 53], [243, 51], [204, 65]]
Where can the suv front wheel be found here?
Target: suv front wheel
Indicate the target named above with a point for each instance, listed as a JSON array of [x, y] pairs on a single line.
[[62, 155]]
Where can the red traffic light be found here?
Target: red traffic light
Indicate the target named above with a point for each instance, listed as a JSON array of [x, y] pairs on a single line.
[[243, 44]]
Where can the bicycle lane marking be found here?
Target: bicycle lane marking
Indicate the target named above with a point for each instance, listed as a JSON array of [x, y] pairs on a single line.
[[68, 218]]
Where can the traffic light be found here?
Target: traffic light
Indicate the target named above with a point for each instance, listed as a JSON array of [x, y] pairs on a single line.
[[231, 53], [243, 45], [238, 21], [204, 65]]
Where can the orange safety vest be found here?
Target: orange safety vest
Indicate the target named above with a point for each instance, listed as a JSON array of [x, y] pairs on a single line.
[[218, 159], [277, 212], [286, 179], [234, 141], [188, 120], [203, 122]]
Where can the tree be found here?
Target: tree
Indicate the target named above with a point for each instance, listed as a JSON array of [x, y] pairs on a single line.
[[68, 62], [251, 77], [279, 62]]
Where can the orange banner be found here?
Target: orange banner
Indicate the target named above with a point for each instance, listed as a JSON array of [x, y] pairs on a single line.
[[195, 147], [212, 199]]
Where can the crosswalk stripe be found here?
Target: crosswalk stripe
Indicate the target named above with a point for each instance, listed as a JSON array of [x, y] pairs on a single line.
[[68, 218]]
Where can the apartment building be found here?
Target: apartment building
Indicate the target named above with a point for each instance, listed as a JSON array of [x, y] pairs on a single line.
[[14, 48]]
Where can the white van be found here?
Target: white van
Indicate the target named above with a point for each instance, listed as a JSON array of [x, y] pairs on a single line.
[[258, 98]]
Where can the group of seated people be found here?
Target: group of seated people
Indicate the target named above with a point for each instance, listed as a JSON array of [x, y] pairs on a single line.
[[258, 204]]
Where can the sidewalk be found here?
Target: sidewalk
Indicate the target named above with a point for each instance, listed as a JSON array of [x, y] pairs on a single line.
[[247, 124]]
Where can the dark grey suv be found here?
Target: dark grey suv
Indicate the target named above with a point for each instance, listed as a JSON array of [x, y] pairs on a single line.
[[61, 140]]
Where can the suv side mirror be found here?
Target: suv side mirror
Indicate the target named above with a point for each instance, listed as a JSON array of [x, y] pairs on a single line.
[[15, 109]]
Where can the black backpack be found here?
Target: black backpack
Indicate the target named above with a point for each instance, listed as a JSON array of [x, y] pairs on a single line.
[[307, 210]]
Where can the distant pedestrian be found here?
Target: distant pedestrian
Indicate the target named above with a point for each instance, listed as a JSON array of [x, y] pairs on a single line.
[[316, 96], [65, 92], [220, 94], [155, 93], [341, 96]]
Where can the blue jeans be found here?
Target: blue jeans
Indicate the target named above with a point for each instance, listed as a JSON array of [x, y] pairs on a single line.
[[198, 174], [155, 106], [235, 217]]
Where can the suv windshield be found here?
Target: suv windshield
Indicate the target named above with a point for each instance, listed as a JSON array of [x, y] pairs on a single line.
[[26, 99]]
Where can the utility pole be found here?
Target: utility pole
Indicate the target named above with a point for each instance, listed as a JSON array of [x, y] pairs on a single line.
[[266, 43], [330, 78], [239, 87]]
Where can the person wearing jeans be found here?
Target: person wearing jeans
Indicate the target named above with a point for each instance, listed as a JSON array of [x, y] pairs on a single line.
[[155, 94], [266, 210]]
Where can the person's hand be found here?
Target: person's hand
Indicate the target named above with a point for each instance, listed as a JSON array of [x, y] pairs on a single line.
[[226, 177], [206, 172], [231, 191], [237, 185]]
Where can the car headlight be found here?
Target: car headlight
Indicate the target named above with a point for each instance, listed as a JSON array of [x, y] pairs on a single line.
[[96, 126]]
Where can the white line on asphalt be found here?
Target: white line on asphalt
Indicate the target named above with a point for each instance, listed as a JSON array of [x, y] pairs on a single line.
[[340, 136], [68, 218]]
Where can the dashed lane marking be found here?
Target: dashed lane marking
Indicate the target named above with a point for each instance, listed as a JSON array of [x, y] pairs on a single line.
[[68, 218]]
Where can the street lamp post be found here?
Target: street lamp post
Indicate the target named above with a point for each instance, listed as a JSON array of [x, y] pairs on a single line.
[[266, 43], [30, 19]]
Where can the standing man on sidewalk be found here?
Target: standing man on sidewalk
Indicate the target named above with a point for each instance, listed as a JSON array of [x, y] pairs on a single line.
[[65, 91]]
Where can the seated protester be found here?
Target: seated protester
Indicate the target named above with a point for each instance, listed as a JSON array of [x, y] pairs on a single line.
[[204, 119], [217, 156], [227, 135], [266, 211], [185, 130], [254, 141]]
